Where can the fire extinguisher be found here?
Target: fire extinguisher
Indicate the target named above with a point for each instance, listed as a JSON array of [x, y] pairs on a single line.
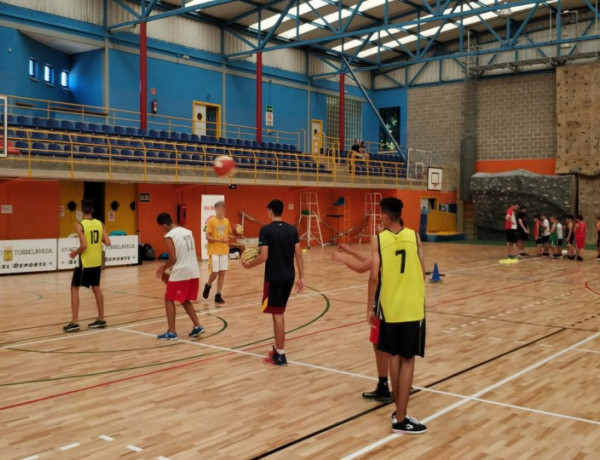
[[154, 106]]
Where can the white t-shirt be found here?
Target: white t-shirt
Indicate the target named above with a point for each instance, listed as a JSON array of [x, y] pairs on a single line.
[[545, 228], [559, 230], [186, 266]]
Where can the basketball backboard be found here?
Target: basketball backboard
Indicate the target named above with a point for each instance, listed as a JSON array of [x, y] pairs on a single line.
[[434, 178]]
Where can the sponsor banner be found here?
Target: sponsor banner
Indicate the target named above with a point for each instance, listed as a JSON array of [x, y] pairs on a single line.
[[123, 250], [208, 211], [65, 246], [23, 256]]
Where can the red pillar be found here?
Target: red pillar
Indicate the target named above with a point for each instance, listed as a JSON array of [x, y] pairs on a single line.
[[342, 112], [143, 77], [258, 97]]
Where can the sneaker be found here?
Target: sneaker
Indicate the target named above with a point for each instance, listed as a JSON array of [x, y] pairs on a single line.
[[206, 291], [275, 358], [98, 324], [579, 259], [196, 331], [409, 425], [381, 394], [219, 300], [71, 327], [167, 336]]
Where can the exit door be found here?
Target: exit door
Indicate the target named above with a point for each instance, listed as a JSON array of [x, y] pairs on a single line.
[[207, 119]]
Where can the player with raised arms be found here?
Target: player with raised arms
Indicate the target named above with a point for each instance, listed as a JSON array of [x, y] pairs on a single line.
[[397, 284]]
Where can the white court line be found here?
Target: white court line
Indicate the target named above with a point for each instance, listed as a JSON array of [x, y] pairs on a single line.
[[70, 446], [162, 458], [135, 448], [474, 396], [32, 457], [106, 438], [586, 350]]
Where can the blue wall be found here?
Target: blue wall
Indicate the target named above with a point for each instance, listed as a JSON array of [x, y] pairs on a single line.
[[396, 97], [86, 78], [14, 69]]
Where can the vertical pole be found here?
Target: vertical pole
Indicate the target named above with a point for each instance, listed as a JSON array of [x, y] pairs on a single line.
[[259, 97], [342, 130], [143, 77]]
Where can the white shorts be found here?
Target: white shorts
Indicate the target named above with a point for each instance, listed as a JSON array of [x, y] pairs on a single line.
[[218, 263]]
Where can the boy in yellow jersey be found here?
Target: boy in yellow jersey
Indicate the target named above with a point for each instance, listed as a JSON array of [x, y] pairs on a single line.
[[87, 273], [218, 232], [397, 275]]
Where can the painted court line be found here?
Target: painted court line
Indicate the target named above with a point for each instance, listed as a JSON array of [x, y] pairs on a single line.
[[106, 438], [586, 350], [70, 446], [474, 396], [135, 448], [32, 457]]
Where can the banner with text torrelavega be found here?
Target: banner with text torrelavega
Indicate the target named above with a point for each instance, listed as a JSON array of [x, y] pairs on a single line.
[[208, 211], [24, 256], [123, 250]]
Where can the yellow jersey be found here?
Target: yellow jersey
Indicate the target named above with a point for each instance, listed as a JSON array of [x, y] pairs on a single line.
[[93, 231], [219, 229], [402, 288]]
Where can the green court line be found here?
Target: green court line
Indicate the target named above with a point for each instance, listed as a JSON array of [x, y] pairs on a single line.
[[172, 361]]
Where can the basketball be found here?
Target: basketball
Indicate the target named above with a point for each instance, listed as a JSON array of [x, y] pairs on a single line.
[[239, 229], [224, 166], [250, 254], [166, 275]]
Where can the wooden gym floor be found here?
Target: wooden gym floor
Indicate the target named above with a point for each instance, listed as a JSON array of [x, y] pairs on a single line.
[[512, 367]]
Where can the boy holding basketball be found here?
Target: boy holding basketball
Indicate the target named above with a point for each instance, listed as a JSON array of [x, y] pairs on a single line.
[[218, 233], [91, 235], [184, 280], [279, 246], [398, 281]]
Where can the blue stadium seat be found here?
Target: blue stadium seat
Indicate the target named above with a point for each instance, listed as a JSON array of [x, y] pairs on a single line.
[[151, 155], [23, 121], [174, 136], [39, 123], [57, 150], [262, 164], [154, 134], [194, 138], [255, 145], [66, 125], [125, 154], [55, 137], [81, 127], [38, 135], [107, 129], [164, 135], [231, 142], [37, 148], [98, 140], [10, 119], [239, 142], [285, 147], [197, 159], [131, 131], [270, 146], [222, 141], [184, 137], [138, 155], [99, 152], [119, 130], [53, 124], [94, 128], [293, 148], [82, 139], [279, 147], [248, 144], [204, 139], [83, 151], [262, 145], [23, 146], [185, 159], [141, 133]]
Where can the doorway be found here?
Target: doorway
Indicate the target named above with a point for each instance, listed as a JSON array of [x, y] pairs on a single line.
[[316, 140], [95, 191], [429, 203], [207, 119]]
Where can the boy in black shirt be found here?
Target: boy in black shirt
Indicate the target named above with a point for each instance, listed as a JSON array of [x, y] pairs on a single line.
[[279, 245]]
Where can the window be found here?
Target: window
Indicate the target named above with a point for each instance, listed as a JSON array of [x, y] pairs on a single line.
[[33, 68], [353, 119], [64, 79], [391, 118], [49, 74]]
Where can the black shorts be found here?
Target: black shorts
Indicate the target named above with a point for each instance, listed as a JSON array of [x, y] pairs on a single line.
[[404, 339], [276, 295], [559, 243], [538, 241], [511, 235], [545, 239], [521, 235], [87, 277], [572, 239]]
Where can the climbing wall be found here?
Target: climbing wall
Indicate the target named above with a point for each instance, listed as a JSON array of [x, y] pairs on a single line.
[[578, 119]]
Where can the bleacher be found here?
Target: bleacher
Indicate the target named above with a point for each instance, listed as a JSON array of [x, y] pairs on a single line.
[[50, 138]]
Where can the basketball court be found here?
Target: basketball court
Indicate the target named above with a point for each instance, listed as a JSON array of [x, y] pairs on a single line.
[[510, 370]]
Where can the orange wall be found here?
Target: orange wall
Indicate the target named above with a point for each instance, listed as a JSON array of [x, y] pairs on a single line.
[[253, 201], [536, 165], [35, 209]]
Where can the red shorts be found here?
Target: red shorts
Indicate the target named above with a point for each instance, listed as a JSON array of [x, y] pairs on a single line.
[[580, 241], [180, 291], [374, 338]]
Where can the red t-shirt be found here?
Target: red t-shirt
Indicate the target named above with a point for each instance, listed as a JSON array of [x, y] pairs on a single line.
[[580, 229], [508, 223]]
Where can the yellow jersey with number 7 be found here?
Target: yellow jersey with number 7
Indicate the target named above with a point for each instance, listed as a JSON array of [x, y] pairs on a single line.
[[93, 232], [402, 288]]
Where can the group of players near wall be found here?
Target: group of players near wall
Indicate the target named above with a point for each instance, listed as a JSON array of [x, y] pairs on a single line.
[[395, 304], [550, 234]]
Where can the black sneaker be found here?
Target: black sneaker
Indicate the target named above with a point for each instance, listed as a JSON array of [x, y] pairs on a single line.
[[98, 324], [381, 394], [219, 300], [579, 259], [275, 358], [71, 327], [196, 331], [409, 425], [206, 291]]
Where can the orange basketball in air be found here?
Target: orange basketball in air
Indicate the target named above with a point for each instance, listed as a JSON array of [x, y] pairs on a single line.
[[224, 166]]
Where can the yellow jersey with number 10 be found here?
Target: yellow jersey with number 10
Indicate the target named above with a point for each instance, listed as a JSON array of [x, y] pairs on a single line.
[[93, 233], [402, 288]]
